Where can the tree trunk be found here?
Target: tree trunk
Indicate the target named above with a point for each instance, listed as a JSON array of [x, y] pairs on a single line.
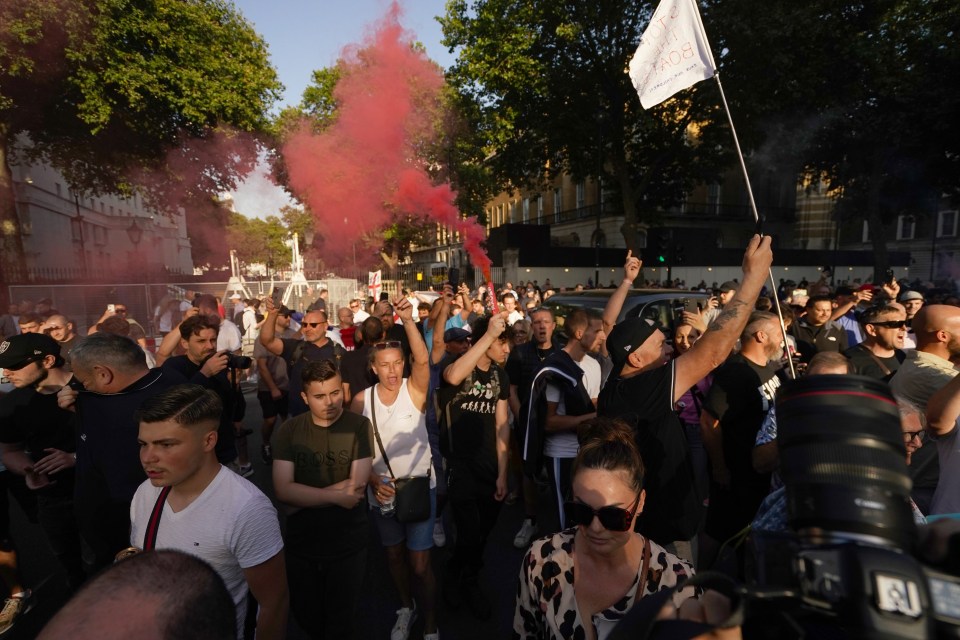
[[878, 232], [12, 259]]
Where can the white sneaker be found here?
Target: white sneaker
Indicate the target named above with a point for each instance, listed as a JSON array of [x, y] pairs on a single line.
[[525, 535], [405, 619], [439, 536]]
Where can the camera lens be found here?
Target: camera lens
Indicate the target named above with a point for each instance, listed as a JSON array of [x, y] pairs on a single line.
[[843, 462]]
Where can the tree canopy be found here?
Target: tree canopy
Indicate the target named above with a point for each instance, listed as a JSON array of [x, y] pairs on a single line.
[[551, 95], [161, 97]]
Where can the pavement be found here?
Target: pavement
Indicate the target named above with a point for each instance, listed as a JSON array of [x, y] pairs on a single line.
[[39, 569]]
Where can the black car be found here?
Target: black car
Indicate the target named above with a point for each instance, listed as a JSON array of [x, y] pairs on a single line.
[[663, 306]]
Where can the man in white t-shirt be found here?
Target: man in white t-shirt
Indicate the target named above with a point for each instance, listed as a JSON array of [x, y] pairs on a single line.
[[509, 301], [209, 511], [585, 336]]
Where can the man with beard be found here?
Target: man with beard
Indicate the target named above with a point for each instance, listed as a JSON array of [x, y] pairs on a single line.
[[522, 365], [880, 353], [38, 441], [743, 390], [203, 365]]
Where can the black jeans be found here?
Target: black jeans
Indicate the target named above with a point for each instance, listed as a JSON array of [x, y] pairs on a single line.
[[59, 523], [475, 518], [325, 594]]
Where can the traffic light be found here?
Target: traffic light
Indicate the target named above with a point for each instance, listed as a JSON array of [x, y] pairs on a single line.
[[663, 246], [678, 254]]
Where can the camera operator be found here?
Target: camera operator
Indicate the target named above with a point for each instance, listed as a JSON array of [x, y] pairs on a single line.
[[202, 364]]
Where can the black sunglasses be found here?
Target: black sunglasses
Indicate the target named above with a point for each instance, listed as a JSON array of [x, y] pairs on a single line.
[[890, 324], [612, 518], [314, 324], [389, 344]]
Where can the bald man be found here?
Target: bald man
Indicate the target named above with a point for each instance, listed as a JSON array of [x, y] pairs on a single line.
[[61, 329], [926, 371]]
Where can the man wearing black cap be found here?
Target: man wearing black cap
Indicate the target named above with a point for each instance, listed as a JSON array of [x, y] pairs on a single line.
[[726, 292], [645, 384], [38, 440]]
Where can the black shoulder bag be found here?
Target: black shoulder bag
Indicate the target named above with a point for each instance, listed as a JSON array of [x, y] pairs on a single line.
[[413, 493]]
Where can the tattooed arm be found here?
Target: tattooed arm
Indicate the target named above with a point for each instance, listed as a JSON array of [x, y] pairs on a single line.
[[715, 345]]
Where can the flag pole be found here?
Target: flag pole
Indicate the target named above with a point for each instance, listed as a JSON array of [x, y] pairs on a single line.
[[756, 218]]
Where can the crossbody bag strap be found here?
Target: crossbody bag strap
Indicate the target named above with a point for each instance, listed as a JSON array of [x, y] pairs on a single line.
[[883, 367], [153, 525], [376, 432]]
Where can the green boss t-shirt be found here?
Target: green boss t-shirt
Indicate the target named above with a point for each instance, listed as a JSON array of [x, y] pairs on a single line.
[[321, 457]]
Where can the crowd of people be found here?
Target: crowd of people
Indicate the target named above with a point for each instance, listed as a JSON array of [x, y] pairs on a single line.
[[636, 450]]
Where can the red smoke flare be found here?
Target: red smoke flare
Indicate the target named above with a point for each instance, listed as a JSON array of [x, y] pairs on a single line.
[[359, 173]]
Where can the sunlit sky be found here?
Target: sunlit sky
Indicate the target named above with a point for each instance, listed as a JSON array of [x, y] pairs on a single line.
[[304, 35]]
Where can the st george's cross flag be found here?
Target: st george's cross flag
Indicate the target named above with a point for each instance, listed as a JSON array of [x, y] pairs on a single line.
[[673, 54]]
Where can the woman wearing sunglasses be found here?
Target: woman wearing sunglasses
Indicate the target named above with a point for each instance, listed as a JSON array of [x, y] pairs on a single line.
[[582, 581]]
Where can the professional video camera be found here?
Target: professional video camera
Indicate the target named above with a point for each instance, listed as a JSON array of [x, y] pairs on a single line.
[[846, 569]]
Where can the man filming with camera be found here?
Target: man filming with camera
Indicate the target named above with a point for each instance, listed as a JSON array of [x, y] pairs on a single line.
[[202, 364]]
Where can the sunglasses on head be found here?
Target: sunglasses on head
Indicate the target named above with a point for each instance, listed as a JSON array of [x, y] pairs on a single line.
[[314, 325], [890, 324], [388, 344], [612, 518]]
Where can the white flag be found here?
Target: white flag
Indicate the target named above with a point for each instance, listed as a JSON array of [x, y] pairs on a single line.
[[673, 54], [374, 285]]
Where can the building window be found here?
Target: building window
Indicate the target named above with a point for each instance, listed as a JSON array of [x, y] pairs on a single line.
[[906, 226], [539, 208], [57, 185], [713, 199], [526, 210], [947, 224], [581, 195], [557, 204], [865, 237]]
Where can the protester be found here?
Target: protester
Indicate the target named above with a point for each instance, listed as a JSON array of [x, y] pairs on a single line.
[[118, 326], [355, 366], [912, 302], [474, 412], [273, 385], [63, 330], [321, 464], [690, 405], [346, 328], [943, 418], [205, 509], [359, 313], [38, 441], [924, 372], [879, 354], [580, 582], [396, 406], [163, 595], [816, 332], [646, 384], [509, 302], [846, 312], [522, 365], [29, 322], [115, 381], [315, 346]]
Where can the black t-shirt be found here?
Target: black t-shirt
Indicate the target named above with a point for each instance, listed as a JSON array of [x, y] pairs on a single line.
[[673, 508], [740, 396], [812, 340], [220, 384], [356, 371], [310, 353], [34, 421], [864, 363], [473, 428]]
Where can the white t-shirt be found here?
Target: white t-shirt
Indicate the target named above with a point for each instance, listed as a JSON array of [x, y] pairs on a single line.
[[514, 316], [231, 525], [359, 316], [403, 430], [229, 338], [564, 444]]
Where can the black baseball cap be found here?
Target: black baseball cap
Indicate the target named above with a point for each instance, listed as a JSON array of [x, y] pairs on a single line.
[[455, 334], [18, 351], [729, 285], [626, 337]]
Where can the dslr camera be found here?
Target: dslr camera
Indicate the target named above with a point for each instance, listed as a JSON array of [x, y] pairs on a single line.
[[238, 362], [845, 569]]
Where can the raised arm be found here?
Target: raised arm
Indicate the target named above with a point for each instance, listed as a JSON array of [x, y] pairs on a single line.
[[631, 269], [714, 347], [420, 358], [462, 366], [268, 332], [438, 320], [168, 346]]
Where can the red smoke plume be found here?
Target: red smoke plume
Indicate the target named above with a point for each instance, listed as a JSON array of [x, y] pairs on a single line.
[[366, 167]]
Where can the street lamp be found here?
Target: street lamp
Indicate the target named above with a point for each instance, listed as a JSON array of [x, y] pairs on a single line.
[[134, 232]]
